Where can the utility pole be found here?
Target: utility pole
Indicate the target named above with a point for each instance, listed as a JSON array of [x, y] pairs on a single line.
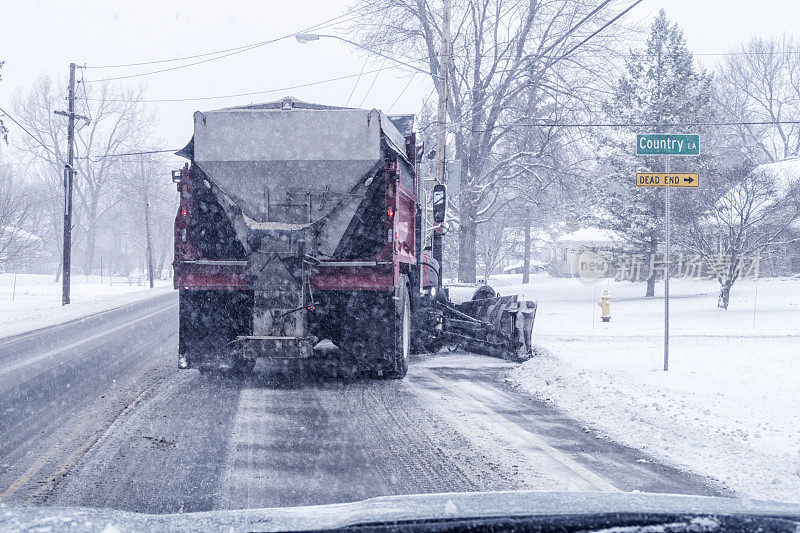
[[444, 62], [667, 265], [146, 200], [149, 244], [441, 139], [69, 176]]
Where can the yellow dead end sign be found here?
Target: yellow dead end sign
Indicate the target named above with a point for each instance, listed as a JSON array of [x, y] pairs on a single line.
[[672, 179]]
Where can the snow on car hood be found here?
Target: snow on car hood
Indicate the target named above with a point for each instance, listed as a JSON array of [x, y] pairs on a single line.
[[391, 509]]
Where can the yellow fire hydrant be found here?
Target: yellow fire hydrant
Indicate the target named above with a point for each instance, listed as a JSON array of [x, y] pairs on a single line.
[[605, 306]]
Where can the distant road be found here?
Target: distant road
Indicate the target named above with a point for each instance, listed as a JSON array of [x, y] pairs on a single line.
[[96, 413]]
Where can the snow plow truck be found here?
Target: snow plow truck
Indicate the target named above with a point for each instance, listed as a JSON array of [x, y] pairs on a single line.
[[300, 222]]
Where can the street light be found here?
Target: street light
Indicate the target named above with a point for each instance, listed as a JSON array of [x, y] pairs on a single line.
[[308, 37]]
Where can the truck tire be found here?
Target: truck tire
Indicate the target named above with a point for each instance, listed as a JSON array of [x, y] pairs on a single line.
[[400, 344], [483, 292]]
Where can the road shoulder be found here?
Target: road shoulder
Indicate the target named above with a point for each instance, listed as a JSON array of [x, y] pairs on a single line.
[[579, 447], [40, 320]]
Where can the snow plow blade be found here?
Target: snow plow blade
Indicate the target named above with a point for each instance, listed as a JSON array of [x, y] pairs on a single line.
[[498, 327]]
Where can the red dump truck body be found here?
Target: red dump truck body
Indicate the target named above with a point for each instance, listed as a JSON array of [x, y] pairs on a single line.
[[293, 216], [194, 272], [300, 222]]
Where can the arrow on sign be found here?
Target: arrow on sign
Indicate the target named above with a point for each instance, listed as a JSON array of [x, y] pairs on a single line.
[[688, 179]]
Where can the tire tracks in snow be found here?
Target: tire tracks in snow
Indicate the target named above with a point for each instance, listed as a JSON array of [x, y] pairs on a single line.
[[513, 444]]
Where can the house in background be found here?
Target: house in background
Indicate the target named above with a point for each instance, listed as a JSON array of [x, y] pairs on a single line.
[[541, 252], [22, 252], [568, 247], [519, 267]]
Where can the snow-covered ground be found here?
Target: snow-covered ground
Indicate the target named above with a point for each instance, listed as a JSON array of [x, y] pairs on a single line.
[[35, 302], [729, 406]]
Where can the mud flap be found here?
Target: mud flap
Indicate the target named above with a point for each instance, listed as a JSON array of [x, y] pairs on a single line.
[[209, 321]]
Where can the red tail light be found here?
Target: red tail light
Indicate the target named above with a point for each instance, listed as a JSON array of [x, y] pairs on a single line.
[[184, 211], [392, 174]]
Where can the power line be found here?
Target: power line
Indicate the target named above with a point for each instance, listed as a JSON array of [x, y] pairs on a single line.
[[254, 93], [372, 84], [179, 66], [100, 158], [787, 52], [601, 28], [85, 96], [696, 54], [366, 60], [244, 48], [575, 27], [206, 54], [723, 54], [654, 125], [173, 59], [5, 113], [389, 110], [225, 53], [544, 124], [184, 66], [324, 24]]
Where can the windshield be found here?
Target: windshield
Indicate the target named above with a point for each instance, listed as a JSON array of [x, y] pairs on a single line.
[[261, 256]]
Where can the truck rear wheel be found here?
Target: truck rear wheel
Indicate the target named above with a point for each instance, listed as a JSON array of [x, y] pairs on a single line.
[[400, 343]]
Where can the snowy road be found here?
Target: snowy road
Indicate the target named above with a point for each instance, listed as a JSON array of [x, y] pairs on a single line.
[[96, 414]]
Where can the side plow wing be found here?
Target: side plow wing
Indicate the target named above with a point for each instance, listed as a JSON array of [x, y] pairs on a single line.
[[499, 326]]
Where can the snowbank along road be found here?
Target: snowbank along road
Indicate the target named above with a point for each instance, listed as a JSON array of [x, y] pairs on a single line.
[[95, 413]]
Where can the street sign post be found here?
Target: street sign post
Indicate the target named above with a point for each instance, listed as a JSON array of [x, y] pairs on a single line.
[[661, 179], [667, 267], [667, 144]]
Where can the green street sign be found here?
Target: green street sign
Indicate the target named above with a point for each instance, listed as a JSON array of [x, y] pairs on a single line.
[[667, 144]]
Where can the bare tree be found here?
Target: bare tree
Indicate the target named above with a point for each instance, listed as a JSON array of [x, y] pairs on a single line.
[[500, 49], [151, 203], [493, 245], [749, 211], [17, 242], [3, 129], [751, 217], [556, 159], [117, 122], [51, 204], [761, 83]]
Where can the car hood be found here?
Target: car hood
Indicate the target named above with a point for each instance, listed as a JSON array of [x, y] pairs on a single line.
[[392, 509]]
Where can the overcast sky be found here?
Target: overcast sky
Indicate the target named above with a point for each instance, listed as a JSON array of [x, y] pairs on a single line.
[[39, 37]]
